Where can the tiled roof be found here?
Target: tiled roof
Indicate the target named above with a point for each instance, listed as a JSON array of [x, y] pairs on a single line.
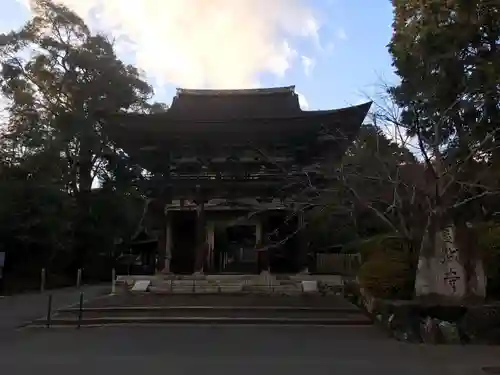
[[231, 104]]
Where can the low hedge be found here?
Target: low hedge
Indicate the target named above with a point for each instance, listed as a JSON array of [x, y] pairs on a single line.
[[489, 243], [388, 275]]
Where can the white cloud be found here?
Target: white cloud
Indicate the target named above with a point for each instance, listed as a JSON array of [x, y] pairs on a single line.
[[304, 104], [341, 34], [205, 43], [330, 47], [308, 64]]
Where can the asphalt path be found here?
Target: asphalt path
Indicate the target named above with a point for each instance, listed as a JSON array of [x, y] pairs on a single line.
[[241, 350], [19, 309], [211, 349]]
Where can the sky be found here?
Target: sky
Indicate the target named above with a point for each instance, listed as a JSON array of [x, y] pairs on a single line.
[[333, 51]]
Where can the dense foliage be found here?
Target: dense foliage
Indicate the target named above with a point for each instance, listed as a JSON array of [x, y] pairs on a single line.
[[447, 55], [57, 75]]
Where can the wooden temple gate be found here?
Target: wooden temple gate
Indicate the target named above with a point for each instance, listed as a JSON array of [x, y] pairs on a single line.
[[226, 155]]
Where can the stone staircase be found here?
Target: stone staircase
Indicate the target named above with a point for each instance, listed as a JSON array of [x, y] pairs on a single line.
[[216, 299], [148, 308], [214, 284]]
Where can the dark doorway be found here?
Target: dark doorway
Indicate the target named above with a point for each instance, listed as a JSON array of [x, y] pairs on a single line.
[[241, 249], [183, 242], [279, 229]]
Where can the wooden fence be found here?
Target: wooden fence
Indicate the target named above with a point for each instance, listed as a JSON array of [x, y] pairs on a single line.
[[342, 264]]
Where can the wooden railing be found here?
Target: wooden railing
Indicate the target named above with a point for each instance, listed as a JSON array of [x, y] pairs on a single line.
[[342, 264]]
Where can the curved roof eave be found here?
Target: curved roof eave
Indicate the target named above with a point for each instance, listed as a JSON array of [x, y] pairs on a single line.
[[361, 110]]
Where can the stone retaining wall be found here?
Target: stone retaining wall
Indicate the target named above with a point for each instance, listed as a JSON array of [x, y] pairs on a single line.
[[414, 321]]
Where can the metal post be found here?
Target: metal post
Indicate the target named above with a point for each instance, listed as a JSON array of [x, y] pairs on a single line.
[[79, 278], [80, 311], [43, 278], [49, 310], [113, 281]]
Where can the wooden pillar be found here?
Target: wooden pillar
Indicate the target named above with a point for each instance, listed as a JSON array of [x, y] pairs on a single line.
[[211, 244], [201, 238], [159, 211], [263, 259], [262, 253], [258, 234], [168, 243], [165, 240], [302, 247]]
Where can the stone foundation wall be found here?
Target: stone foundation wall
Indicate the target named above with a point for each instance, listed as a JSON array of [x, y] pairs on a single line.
[[413, 321]]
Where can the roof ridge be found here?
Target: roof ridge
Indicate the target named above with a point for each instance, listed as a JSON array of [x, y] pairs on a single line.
[[259, 91]]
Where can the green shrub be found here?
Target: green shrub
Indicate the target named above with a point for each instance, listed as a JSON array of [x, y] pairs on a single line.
[[376, 245], [388, 274], [489, 243]]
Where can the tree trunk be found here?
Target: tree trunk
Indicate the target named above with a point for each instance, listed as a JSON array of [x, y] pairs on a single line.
[[83, 232]]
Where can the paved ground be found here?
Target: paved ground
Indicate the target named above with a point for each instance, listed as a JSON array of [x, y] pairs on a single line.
[[216, 349], [16, 310], [233, 350]]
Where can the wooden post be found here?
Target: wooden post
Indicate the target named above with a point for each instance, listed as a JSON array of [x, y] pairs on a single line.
[[262, 254], [302, 249], [263, 260], [211, 244], [113, 281], [168, 243], [167, 223], [80, 311], [43, 279], [79, 278], [258, 246], [49, 311], [258, 234], [201, 240]]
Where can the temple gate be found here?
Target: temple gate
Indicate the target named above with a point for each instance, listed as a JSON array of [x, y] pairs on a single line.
[[234, 161]]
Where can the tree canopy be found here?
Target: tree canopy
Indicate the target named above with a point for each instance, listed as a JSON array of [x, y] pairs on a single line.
[[57, 76], [447, 55]]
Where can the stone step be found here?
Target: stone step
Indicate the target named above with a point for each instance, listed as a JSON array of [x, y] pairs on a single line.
[[272, 289], [182, 283], [225, 288], [337, 314], [348, 309], [208, 312], [196, 289], [187, 283], [102, 321], [141, 300]]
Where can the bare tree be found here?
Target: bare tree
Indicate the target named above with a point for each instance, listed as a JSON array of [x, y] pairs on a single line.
[[437, 198]]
